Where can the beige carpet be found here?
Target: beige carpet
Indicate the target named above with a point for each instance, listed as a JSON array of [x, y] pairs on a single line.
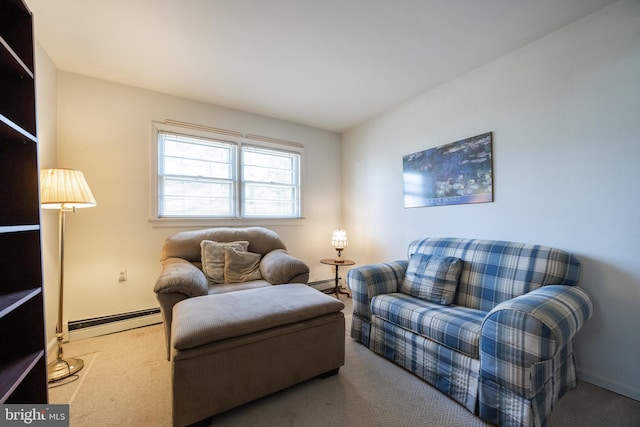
[[126, 382]]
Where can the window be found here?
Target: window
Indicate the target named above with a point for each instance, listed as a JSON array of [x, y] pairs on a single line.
[[204, 175], [270, 182], [196, 177]]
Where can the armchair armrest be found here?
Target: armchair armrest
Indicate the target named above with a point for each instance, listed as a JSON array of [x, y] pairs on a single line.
[[519, 335], [278, 267], [370, 280], [179, 275]]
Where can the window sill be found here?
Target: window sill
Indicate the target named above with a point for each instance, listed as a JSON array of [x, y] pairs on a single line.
[[222, 222]]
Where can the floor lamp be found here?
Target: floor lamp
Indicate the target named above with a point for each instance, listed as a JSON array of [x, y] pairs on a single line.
[[65, 190]]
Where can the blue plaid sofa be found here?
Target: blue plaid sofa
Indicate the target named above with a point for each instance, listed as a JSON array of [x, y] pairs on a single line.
[[503, 347]]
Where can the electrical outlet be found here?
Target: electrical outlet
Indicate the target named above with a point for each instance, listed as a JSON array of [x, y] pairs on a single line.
[[122, 275]]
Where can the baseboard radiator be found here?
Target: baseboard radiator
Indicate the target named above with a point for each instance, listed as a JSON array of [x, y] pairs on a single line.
[[87, 328]]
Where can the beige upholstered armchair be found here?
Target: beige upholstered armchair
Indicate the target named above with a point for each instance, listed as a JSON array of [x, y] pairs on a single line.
[[216, 260]]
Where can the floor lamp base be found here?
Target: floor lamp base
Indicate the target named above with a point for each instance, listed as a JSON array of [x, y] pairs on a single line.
[[63, 368]]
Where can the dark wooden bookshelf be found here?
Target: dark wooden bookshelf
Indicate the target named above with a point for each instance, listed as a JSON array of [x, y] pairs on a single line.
[[23, 367]]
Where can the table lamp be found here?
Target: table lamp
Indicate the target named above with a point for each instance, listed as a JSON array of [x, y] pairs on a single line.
[[339, 242]]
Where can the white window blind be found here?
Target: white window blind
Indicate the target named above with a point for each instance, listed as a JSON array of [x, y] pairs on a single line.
[[200, 177]]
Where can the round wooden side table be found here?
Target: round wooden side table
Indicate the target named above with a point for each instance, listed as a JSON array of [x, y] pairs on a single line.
[[337, 290]]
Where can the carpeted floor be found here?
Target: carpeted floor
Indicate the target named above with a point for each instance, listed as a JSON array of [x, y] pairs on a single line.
[[126, 382]]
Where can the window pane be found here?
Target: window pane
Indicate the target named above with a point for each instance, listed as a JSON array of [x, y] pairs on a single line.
[[196, 149], [264, 174], [195, 177], [197, 198], [269, 165], [271, 182], [270, 200], [191, 157], [188, 167]]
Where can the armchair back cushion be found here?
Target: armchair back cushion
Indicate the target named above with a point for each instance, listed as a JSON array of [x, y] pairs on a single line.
[[186, 244], [496, 271]]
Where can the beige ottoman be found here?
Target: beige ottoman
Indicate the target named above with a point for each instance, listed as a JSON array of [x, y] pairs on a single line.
[[229, 349]]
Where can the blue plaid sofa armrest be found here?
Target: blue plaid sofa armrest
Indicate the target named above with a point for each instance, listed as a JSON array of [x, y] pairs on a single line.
[[366, 282], [527, 340], [371, 280]]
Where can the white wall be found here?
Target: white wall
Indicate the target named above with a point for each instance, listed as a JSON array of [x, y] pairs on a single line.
[[47, 100], [565, 112], [104, 130]]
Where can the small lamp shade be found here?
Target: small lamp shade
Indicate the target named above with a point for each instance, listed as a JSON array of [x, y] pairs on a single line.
[[64, 188], [339, 239]]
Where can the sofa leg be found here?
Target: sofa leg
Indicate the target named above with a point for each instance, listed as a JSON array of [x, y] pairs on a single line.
[[329, 373]]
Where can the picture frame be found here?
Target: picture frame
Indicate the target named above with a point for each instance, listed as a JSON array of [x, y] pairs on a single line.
[[459, 172]]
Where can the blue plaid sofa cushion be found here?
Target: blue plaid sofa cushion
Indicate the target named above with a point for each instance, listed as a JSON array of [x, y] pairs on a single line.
[[453, 326], [432, 278], [495, 271]]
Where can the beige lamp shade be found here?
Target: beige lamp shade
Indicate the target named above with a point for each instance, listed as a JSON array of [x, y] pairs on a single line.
[[64, 188], [339, 239]]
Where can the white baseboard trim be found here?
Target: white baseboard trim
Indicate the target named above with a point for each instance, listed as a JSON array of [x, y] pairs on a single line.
[[109, 327], [613, 386]]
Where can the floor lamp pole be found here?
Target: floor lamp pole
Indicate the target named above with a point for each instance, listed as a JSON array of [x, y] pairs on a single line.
[[62, 368]]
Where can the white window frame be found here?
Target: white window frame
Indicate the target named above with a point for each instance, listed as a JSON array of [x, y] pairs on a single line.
[[223, 136]]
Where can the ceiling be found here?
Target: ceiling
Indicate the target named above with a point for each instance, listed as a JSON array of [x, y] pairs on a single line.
[[331, 64]]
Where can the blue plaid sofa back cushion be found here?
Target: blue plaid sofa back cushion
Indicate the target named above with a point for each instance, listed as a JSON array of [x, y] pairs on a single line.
[[495, 271]]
